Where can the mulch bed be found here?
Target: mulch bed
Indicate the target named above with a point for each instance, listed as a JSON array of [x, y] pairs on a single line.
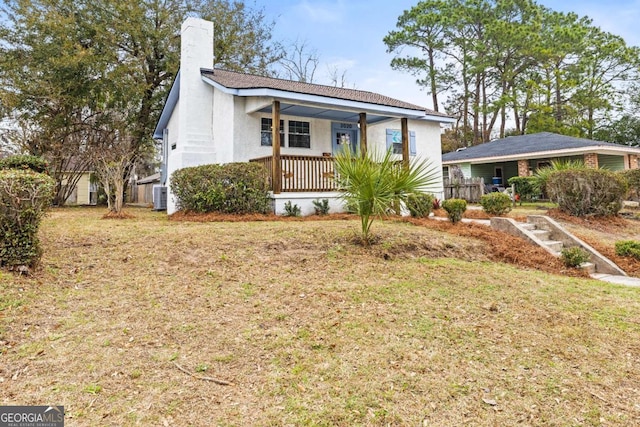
[[220, 217]]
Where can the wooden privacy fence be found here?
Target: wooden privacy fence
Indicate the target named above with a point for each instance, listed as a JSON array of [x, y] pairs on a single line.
[[469, 189], [303, 173]]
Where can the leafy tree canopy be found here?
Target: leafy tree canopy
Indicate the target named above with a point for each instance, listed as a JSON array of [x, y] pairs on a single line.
[[514, 61], [73, 71]]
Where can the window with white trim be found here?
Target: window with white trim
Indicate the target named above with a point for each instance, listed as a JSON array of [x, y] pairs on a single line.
[[299, 134]]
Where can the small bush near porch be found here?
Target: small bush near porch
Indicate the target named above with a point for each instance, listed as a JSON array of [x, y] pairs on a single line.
[[235, 188]]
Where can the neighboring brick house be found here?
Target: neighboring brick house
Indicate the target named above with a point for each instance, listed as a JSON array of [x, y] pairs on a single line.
[[522, 155]]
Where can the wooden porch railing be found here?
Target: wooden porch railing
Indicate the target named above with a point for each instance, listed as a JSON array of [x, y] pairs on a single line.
[[302, 173]]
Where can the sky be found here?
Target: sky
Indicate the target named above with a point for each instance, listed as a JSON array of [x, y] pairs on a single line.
[[347, 35]]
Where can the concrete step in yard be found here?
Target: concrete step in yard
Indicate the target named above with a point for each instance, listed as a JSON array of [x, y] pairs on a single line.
[[540, 230], [589, 267], [541, 234], [554, 245]]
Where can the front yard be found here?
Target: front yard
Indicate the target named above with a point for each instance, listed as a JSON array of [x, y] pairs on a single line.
[[142, 321]]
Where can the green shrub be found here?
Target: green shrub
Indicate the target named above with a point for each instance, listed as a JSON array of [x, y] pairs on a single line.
[[574, 257], [527, 187], [230, 188], [542, 175], [24, 162], [628, 248], [420, 205], [455, 208], [587, 192], [496, 203], [321, 206], [632, 177], [25, 196], [291, 210]]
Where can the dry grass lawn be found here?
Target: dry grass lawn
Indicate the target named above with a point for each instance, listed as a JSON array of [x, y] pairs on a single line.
[[143, 321]]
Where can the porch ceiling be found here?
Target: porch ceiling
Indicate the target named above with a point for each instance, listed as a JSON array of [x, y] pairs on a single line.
[[324, 113]]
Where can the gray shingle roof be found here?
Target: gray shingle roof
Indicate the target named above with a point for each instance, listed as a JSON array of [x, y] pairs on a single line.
[[235, 80], [524, 144]]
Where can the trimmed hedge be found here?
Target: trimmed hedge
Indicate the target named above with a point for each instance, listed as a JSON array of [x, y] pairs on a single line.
[[420, 205], [454, 208], [587, 192], [236, 188], [496, 203], [25, 196], [24, 162]]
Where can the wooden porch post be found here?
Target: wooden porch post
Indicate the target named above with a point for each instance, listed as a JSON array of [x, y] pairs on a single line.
[[276, 166], [405, 141], [363, 133]]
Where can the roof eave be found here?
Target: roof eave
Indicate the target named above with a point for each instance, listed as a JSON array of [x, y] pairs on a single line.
[[330, 101], [599, 149], [169, 106]]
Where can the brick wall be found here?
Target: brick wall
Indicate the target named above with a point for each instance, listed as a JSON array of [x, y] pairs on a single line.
[[591, 160], [634, 161], [523, 168]]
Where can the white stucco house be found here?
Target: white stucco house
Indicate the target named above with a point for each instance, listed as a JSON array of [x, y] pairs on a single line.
[[217, 116]]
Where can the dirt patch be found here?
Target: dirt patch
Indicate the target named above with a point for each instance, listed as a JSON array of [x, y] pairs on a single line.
[[118, 215]]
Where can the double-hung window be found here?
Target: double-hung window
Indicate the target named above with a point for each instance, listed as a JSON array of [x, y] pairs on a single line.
[[299, 134], [266, 136]]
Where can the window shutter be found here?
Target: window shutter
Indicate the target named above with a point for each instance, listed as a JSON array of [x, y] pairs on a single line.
[[412, 143], [389, 138]]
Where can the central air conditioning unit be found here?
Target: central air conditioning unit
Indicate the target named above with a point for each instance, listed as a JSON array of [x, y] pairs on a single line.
[[159, 198]]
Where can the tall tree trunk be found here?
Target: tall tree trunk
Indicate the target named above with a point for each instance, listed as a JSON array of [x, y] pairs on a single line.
[[476, 111], [516, 113], [465, 114], [119, 202], [432, 80], [558, 97]]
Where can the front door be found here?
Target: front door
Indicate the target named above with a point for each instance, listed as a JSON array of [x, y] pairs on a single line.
[[344, 135]]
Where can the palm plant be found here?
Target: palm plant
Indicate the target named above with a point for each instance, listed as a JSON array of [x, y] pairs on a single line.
[[375, 185], [545, 172]]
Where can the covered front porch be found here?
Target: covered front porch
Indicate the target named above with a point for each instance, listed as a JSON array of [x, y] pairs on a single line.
[[295, 173]]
